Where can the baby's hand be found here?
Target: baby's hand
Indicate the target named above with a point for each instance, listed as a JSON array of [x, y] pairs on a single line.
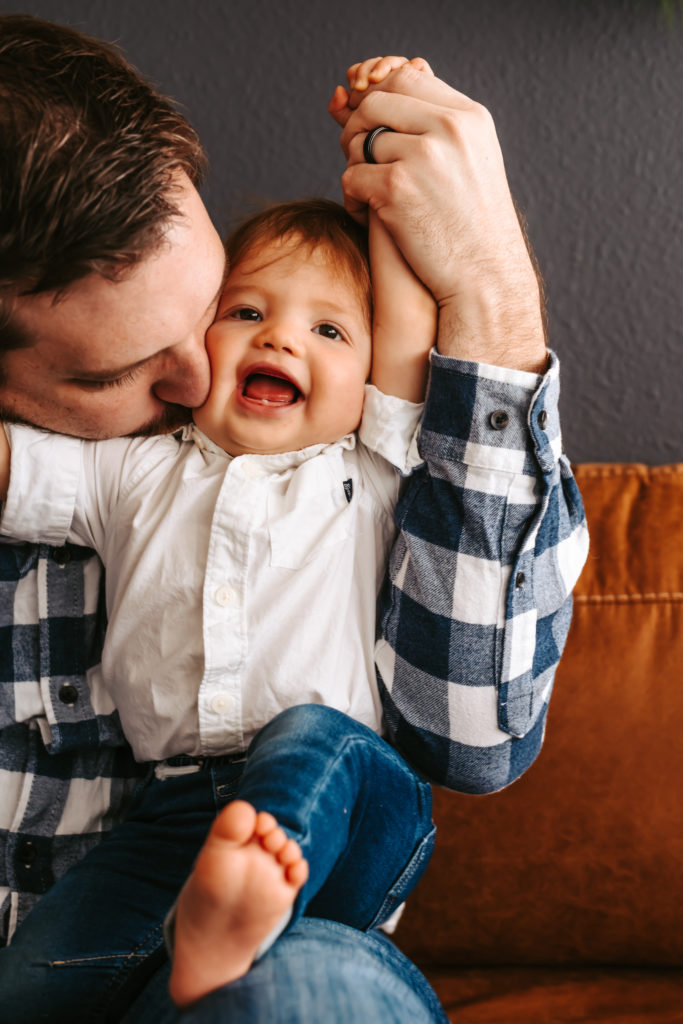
[[376, 69], [366, 73]]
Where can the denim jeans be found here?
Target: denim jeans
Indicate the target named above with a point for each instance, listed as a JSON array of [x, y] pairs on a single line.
[[318, 972], [360, 814]]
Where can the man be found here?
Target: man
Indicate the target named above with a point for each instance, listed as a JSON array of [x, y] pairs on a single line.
[[109, 275]]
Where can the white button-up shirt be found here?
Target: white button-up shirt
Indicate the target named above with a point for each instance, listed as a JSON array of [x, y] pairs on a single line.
[[236, 587]]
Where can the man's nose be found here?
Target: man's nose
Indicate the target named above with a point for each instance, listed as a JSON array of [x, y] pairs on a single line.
[[186, 377]]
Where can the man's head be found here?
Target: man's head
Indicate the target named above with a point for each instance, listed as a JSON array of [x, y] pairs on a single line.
[[291, 344], [109, 265]]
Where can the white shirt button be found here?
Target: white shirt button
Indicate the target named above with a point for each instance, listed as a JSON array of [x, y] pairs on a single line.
[[220, 703], [224, 596]]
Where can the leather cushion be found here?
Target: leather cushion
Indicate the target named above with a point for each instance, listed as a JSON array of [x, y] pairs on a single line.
[[580, 861]]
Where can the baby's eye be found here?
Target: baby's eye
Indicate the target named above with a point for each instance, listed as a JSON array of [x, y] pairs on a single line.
[[329, 331], [244, 313]]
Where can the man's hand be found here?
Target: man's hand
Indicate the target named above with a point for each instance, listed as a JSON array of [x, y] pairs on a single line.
[[440, 188]]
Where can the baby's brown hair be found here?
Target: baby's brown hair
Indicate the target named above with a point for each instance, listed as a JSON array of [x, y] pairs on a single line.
[[315, 224]]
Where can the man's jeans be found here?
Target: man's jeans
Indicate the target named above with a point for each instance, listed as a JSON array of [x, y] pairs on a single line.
[[361, 816], [318, 972]]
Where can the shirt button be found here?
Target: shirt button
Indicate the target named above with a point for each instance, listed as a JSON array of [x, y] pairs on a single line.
[[542, 419], [220, 703], [62, 556], [499, 419], [520, 580], [224, 596], [27, 853], [68, 694]]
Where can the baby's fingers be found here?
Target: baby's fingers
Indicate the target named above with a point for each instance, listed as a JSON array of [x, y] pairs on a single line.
[[374, 69], [421, 64], [386, 64]]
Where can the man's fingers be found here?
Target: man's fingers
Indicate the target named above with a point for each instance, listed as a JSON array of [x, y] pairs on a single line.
[[410, 80], [403, 114], [386, 147]]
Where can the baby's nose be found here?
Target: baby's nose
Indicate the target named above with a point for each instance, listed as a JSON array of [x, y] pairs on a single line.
[[281, 339]]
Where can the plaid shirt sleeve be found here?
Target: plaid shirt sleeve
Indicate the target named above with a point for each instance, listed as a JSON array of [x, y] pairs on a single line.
[[66, 772], [478, 604]]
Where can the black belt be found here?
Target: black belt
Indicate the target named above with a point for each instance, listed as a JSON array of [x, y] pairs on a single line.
[[183, 760]]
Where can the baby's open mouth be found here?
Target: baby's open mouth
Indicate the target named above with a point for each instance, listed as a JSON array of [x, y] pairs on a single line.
[[265, 387]]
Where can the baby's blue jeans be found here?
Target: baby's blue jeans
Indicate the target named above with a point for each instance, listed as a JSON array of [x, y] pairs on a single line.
[[361, 816]]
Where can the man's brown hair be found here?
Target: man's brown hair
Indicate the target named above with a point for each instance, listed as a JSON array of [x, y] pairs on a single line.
[[313, 224], [89, 153]]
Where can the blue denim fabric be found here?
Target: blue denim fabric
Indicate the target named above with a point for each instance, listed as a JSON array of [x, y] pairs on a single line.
[[362, 817], [319, 971], [360, 814]]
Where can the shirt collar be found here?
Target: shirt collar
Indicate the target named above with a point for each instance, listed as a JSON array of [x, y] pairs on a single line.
[[273, 463]]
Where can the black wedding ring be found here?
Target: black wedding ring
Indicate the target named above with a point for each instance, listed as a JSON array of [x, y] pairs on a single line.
[[369, 140]]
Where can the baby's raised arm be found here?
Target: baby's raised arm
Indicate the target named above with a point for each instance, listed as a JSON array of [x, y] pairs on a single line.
[[405, 314], [403, 323]]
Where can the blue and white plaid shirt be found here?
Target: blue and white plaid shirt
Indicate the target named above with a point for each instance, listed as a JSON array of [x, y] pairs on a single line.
[[476, 614], [475, 617]]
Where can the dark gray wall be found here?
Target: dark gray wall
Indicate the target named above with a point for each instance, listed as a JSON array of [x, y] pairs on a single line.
[[587, 97]]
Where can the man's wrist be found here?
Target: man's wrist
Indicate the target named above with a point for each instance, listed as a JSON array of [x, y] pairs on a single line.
[[501, 325]]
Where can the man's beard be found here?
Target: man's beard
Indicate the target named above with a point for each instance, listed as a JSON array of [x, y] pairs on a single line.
[[172, 417]]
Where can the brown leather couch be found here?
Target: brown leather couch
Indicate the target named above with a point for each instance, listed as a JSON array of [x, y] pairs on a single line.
[[561, 898]]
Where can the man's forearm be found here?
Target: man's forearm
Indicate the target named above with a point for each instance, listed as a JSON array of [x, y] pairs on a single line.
[[492, 538], [496, 318]]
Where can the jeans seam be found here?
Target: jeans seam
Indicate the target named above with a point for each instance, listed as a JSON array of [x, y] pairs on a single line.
[[416, 862], [97, 1007], [98, 959]]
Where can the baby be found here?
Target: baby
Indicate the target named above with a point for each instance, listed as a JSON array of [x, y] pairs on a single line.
[[244, 558]]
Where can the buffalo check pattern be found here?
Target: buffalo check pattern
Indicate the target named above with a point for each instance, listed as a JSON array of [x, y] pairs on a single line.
[[66, 772], [474, 618], [478, 605]]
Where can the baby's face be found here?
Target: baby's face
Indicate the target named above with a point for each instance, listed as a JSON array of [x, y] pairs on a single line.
[[290, 353]]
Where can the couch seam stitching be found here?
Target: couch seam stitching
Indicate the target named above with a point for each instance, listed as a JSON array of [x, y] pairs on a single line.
[[645, 598]]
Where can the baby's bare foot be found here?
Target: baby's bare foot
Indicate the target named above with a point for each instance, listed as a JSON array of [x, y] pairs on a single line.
[[245, 880]]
